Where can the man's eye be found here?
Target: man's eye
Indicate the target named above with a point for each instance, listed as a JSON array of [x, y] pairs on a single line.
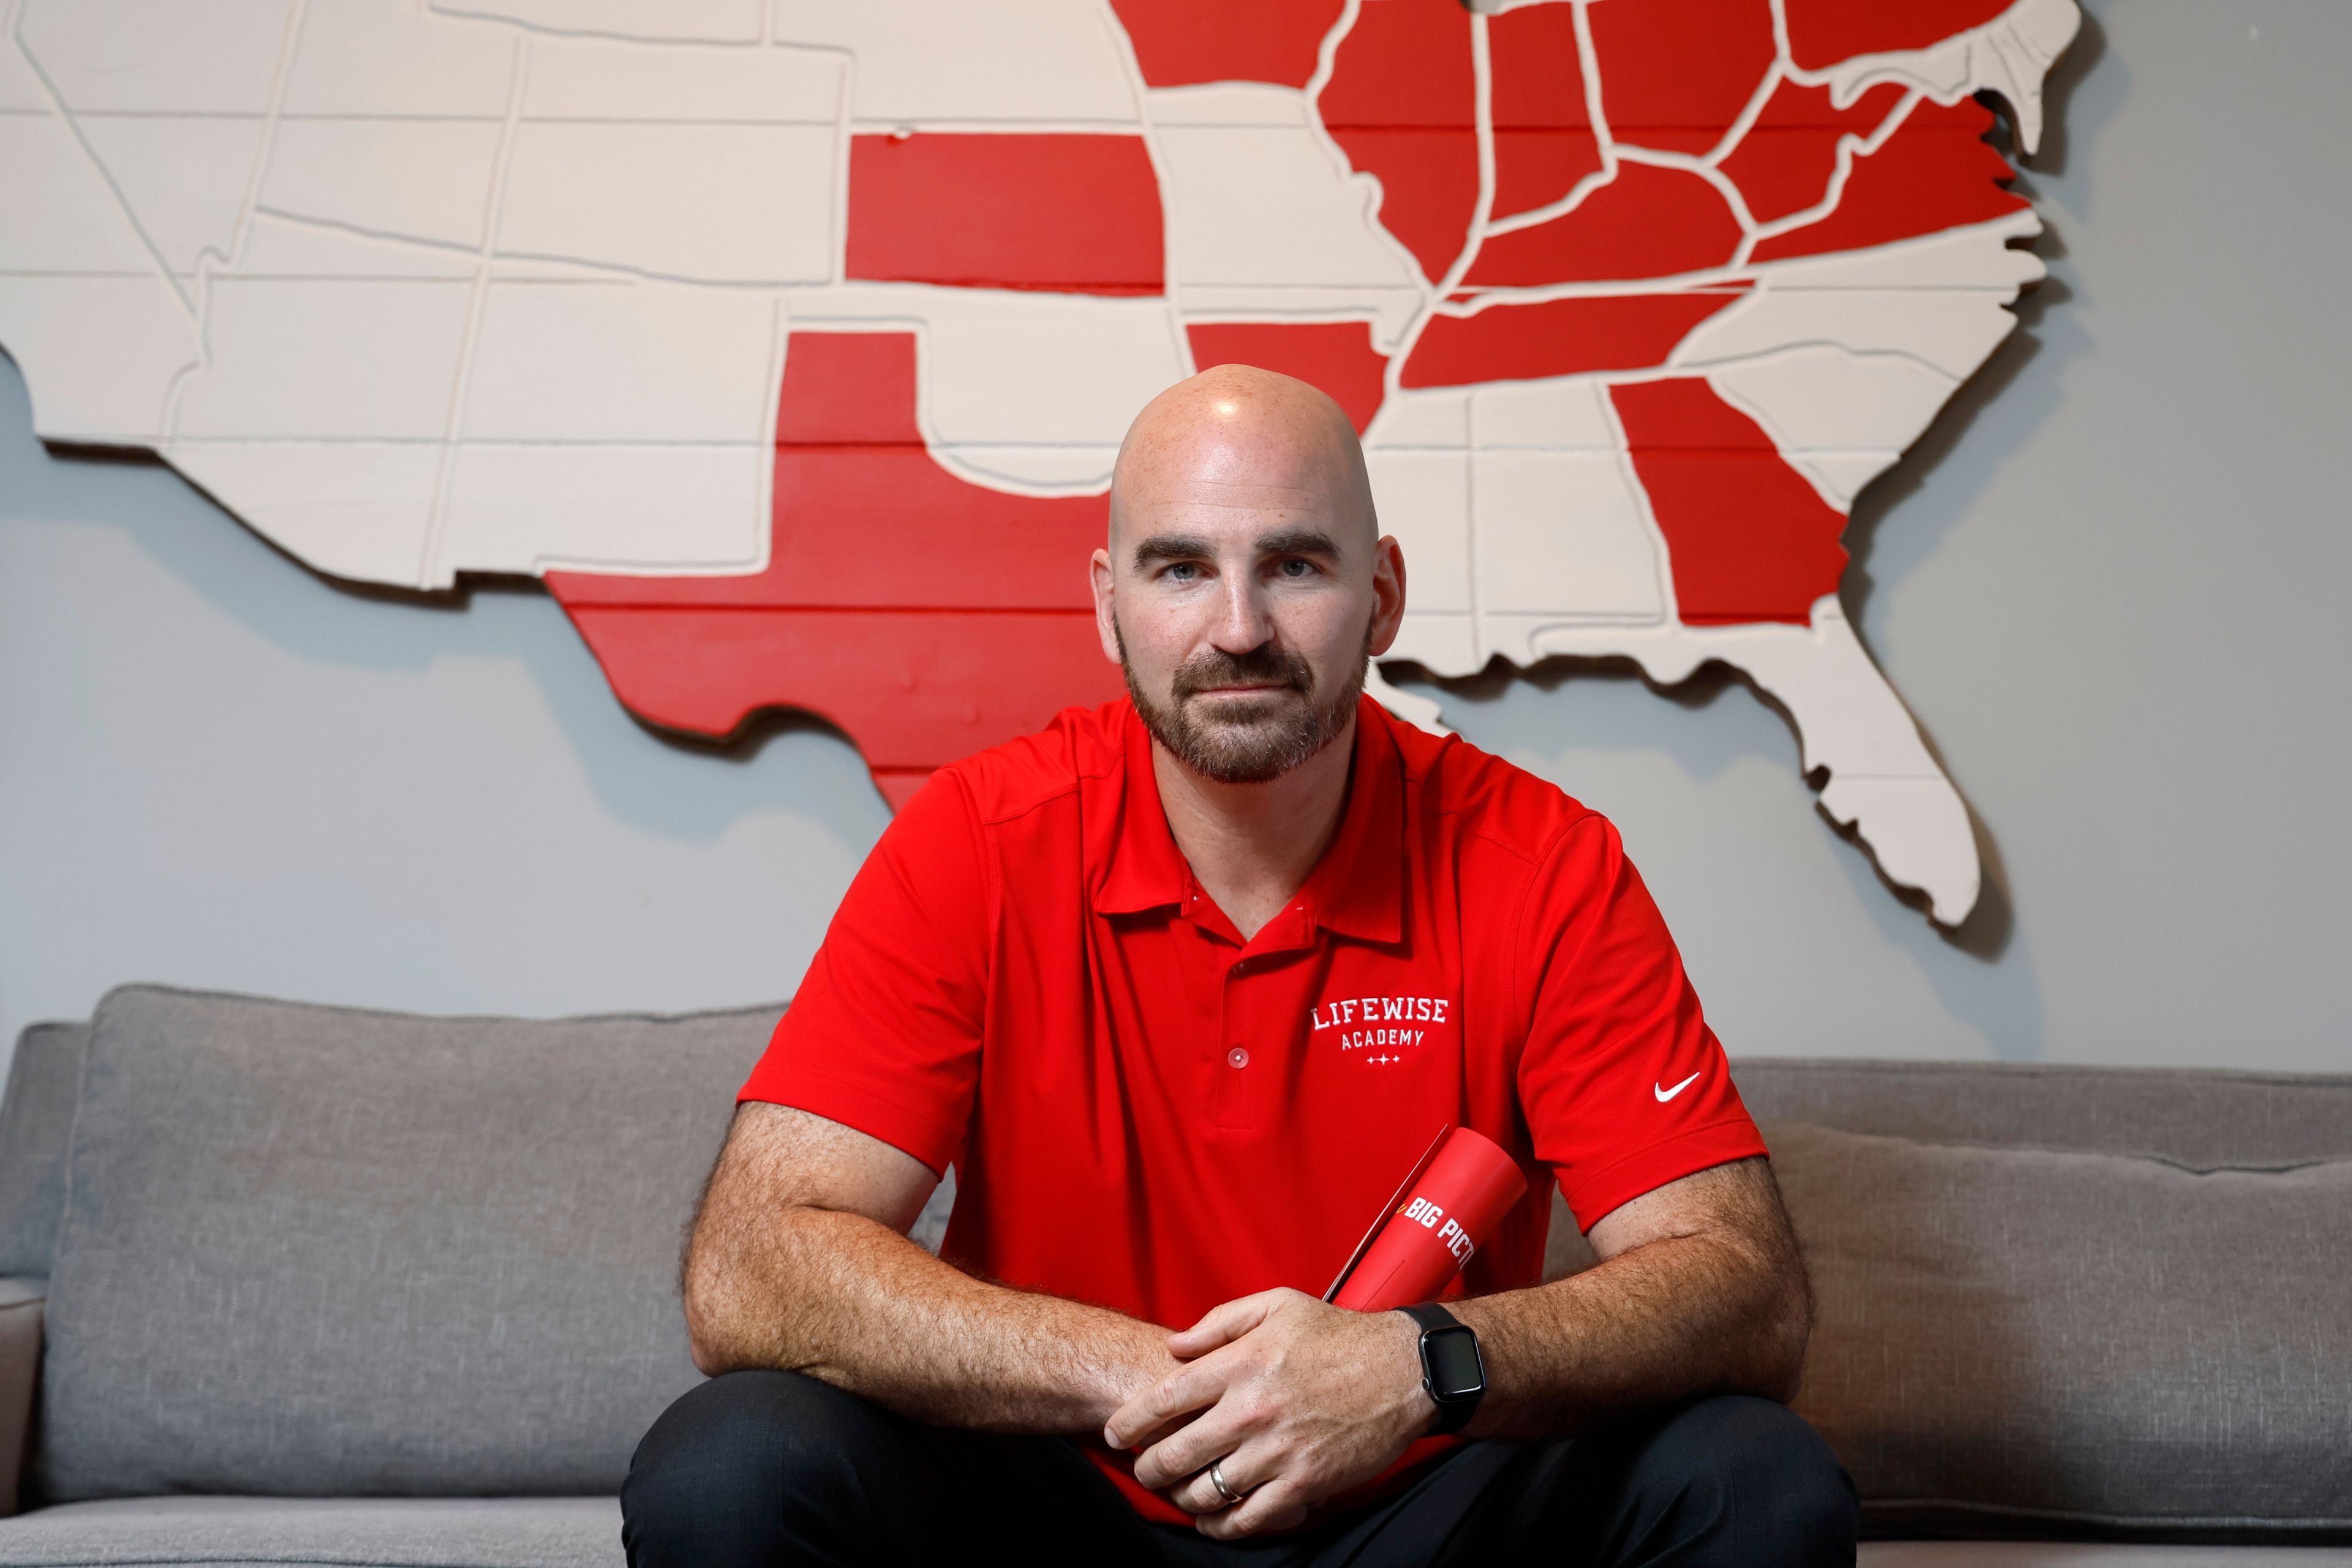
[[1295, 567], [1183, 570]]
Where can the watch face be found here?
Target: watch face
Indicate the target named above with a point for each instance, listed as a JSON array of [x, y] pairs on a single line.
[[1452, 1358]]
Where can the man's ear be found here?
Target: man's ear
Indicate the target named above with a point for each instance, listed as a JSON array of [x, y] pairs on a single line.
[[1106, 616], [1388, 594]]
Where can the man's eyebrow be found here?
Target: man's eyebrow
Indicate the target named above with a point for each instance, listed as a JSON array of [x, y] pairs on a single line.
[[1172, 547], [1297, 541]]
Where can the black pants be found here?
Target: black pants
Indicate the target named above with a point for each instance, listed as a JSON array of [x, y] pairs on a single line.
[[762, 1468]]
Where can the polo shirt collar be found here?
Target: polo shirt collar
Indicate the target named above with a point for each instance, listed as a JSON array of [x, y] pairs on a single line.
[[1357, 889]]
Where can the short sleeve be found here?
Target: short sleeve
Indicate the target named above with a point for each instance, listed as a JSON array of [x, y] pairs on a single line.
[[1624, 1085], [885, 1033]]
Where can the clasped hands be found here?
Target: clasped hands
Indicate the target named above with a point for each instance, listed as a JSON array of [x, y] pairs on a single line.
[[1295, 1401]]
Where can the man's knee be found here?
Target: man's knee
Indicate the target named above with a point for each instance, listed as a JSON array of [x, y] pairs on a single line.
[[1751, 1477], [741, 1469]]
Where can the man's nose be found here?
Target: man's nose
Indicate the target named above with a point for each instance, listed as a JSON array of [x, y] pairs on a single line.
[[1243, 623]]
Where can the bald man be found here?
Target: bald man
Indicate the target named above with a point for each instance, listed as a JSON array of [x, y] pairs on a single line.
[[1182, 986]]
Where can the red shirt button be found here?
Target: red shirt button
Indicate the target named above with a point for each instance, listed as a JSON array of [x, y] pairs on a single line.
[[1237, 1056]]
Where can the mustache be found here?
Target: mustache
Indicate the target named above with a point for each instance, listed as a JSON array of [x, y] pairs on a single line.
[[1264, 664]]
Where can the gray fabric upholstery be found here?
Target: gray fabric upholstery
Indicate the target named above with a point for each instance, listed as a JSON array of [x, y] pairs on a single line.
[[318, 1252], [503, 1532], [2028, 1340], [2077, 1554], [585, 1532], [20, 1377], [2192, 1116], [37, 1118]]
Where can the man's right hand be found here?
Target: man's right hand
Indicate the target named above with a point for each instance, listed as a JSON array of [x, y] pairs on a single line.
[[799, 1259]]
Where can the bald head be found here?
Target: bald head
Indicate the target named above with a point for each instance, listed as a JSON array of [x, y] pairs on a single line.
[[1246, 585], [1241, 437]]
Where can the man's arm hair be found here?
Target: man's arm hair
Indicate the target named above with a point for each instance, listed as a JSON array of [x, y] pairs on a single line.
[[798, 1260], [1700, 1289]]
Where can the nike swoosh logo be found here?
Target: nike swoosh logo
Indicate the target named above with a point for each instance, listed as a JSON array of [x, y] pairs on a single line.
[[1666, 1094]]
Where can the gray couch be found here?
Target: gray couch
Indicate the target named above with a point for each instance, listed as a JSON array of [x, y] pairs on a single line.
[[302, 1285]]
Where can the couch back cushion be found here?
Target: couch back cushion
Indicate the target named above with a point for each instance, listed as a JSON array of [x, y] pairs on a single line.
[[313, 1251], [36, 1120], [2196, 1117], [2013, 1341]]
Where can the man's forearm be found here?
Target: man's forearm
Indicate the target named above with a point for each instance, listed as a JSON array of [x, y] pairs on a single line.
[[1679, 1317], [849, 1300]]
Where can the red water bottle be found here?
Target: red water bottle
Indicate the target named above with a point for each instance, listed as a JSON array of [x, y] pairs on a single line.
[[1465, 1187]]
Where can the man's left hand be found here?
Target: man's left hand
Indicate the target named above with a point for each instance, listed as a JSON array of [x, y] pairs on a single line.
[[1299, 1401]]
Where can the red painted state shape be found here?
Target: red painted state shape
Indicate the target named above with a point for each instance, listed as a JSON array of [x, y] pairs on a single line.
[[1544, 140], [924, 617], [1935, 173], [1178, 43], [1648, 222], [1785, 162], [1675, 74], [1823, 32], [1073, 213], [1401, 105], [1558, 337], [1336, 356], [1747, 538]]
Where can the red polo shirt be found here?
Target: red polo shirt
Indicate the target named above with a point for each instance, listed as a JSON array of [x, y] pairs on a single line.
[[1147, 1112]]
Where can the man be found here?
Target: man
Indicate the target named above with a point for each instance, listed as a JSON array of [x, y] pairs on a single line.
[[1181, 987]]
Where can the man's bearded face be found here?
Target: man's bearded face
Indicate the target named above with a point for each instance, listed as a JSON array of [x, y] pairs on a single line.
[[1254, 735]]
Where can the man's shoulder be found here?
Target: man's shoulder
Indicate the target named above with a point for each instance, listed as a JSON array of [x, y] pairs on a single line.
[[1022, 776], [1481, 802]]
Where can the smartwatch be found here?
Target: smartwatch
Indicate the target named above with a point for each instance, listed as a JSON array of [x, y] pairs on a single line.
[[1452, 1373]]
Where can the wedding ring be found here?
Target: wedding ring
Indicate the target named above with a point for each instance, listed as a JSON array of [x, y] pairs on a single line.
[[1217, 1479]]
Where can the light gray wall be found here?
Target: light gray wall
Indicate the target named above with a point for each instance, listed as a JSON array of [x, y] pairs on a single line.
[[2111, 583]]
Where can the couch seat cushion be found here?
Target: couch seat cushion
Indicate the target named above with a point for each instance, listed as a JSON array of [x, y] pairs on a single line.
[[394, 1532], [2027, 1342]]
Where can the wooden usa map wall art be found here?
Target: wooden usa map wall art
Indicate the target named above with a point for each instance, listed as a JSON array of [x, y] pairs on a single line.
[[790, 341]]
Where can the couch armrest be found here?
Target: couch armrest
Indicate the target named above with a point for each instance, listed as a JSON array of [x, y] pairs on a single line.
[[20, 1377]]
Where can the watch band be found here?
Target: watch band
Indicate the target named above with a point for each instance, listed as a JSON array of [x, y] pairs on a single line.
[[1452, 1414]]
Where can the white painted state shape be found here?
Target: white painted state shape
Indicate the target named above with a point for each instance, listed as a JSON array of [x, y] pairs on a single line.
[[157, 57], [185, 177], [1258, 198], [1025, 391], [695, 510], [619, 360], [351, 509], [414, 179], [710, 203], [362, 359], [1034, 63], [1841, 416], [651, 21], [392, 56], [127, 340], [1562, 534], [1423, 495], [598, 78]]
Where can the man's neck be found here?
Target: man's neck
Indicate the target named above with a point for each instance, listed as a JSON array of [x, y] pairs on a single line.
[[1253, 846]]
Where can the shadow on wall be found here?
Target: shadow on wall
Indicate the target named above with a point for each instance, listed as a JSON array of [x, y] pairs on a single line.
[[793, 761]]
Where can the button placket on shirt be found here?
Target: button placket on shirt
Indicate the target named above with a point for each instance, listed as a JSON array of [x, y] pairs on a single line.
[[1243, 1090]]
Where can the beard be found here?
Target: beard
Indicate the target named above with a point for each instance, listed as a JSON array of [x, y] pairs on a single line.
[[1252, 739]]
